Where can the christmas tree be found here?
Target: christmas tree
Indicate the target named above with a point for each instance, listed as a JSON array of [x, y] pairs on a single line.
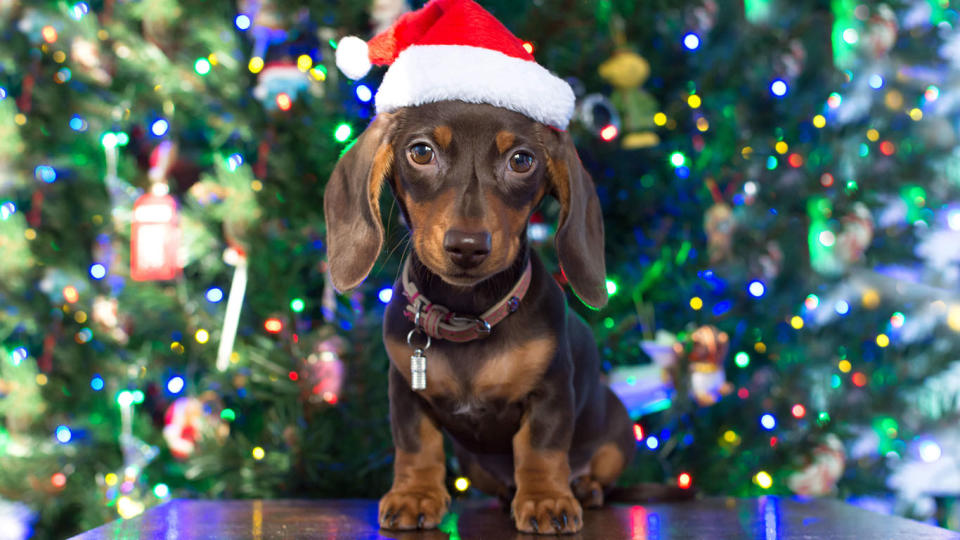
[[781, 248]]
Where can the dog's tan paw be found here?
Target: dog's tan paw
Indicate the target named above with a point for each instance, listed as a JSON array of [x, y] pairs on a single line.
[[420, 508], [547, 512]]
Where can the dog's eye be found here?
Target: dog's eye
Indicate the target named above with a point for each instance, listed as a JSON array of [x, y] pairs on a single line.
[[421, 154], [521, 162]]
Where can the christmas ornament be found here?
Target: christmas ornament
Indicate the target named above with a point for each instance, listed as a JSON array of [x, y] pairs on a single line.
[[268, 25], [87, 55], [155, 237], [279, 85], [596, 113], [719, 225], [706, 350], [190, 420], [626, 71], [106, 315], [819, 477], [383, 13], [703, 17], [791, 63], [323, 370], [647, 388], [832, 252], [231, 318], [881, 32], [456, 50]]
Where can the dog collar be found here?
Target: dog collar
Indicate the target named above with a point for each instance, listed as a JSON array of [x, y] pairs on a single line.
[[438, 322]]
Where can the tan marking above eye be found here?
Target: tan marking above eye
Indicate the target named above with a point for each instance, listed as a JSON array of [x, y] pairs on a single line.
[[443, 135], [505, 141]]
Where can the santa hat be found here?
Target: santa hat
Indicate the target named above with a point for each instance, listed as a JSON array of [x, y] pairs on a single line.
[[456, 50]]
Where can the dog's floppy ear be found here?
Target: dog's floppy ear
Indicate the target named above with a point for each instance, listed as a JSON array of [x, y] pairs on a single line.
[[579, 237], [351, 204]]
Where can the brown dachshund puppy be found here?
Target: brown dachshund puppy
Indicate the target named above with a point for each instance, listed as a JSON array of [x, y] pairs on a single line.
[[523, 404]]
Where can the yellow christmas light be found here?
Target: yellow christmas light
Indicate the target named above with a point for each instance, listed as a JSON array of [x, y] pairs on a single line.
[[763, 479], [702, 124], [870, 299], [110, 479], [255, 65], [202, 336], [304, 62], [873, 134], [796, 322], [462, 484], [916, 114], [883, 340], [781, 147], [760, 347], [845, 366], [694, 101], [660, 119], [819, 121], [258, 453], [696, 303]]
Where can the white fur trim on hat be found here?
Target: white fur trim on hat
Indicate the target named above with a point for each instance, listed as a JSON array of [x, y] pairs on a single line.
[[353, 57], [430, 73]]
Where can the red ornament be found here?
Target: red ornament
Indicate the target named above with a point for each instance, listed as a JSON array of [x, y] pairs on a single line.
[[155, 238]]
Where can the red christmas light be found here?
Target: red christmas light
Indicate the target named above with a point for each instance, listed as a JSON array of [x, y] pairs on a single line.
[[49, 33], [859, 379], [638, 432], [284, 101], [887, 148], [70, 294], [609, 132], [798, 411], [743, 393], [773, 441], [527, 46], [796, 160], [826, 179], [293, 375], [273, 325], [58, 480], [684, 480]]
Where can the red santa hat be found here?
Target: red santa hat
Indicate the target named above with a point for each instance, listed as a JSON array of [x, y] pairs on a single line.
[[456, 50]]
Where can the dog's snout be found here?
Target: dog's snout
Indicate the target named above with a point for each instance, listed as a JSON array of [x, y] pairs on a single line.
[[467, 249]]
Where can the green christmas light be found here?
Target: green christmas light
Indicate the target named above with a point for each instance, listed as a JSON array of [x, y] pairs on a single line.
[[609, 323], [611, 287], [742, 359], [342, 133], [125, 398], [297, 305], [202, 66], [823, 417], [228, 415], [161, 490], [138, 396], [677, 159]]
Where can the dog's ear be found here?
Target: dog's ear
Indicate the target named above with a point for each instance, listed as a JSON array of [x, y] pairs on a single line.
[[579, 236], [351, 204]]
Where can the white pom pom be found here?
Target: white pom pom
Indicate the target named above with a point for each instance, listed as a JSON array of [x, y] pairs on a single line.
[[353, 57]]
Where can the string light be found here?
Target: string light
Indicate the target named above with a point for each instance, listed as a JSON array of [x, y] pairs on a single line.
[[98, 271], [844, 366], [70, 294], [763, 479], [96, 382], [694, 101], [811, 302], [364, 94], [161, 491], [696, 303], [273, 325], [876, 82], [202, 66], [175, 384], [461, 484], [304, 62], [742, 359], [58, 480], [159, 127], [834, 100], [684, 481], [45, 173], [768, 421], [527, 46], [385, 295], [652, 442], [677, 159], [342, 133], [255, 65], [297, 305], [609, 132], [796, 322], [798, 411], [284, 103], [883, 340], [611, 287], [756, 288], [691, 41], [929, 451], [850, 36], [228, 414], [819, 121], [638, 432], [258, 453], [841, 307], [778, 87], [242, 22], [64, 435], [49, 34], [859, 379], [214, 295]]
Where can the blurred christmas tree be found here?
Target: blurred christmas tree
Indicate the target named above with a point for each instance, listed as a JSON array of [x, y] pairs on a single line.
[[781, 225]]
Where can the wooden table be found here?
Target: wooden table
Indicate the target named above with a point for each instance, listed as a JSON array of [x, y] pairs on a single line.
[[766, 518]]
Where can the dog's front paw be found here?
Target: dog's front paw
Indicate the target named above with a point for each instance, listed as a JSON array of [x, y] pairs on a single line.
[[547, 512], [420, 508]]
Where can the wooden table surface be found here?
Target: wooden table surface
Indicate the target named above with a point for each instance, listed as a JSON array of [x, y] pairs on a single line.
[[765, 518]]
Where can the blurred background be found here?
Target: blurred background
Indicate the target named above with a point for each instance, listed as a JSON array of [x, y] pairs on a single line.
[[780, 183]]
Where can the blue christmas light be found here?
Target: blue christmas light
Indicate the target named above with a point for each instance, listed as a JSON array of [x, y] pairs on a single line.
[[45, 173], [77, 123], [79, 10], [842, 307], [214, 295], [929, 451], [159, 127], [691, 41], [63, 434], [242, 21], [98, 271], [652, 442], [778, 87], [175, 384], [7, 209], [234, 162], [768, 421], [19, 355], [3, 93], [876, 82], [756, 288], [96, 383], [364, 94], [385, 295]]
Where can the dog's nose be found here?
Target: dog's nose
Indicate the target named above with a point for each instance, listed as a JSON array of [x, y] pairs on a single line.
[[467, 249]]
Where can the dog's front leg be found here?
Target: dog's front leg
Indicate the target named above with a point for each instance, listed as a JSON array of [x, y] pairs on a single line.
[[544, 502], [418, 498]]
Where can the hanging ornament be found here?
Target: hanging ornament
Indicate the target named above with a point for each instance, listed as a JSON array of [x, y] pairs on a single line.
[[791, 63], [626, 71], [771, 261], [706, 351], [279, 85], [599, 116], [155, 232], [231, 318], [106, 315], [268, 25], [86, 54], [881, 32], [647, 388], [323, 372], [819, 477], [383, 13], [834, 247], [703, 17], [719, 224], [190, 420]]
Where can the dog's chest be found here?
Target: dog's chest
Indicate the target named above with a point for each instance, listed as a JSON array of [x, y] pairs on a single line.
[[469, 376]]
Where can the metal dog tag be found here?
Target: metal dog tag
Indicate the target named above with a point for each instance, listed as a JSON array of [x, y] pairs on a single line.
[[418, 370]]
